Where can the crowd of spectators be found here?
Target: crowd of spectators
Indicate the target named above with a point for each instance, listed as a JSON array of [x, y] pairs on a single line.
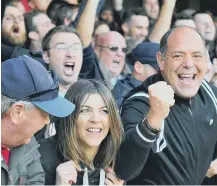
[[97, 70]]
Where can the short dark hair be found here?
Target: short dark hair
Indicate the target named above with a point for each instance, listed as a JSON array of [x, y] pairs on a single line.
[[63, 28], [134, 11], [57, 11], [30, 26], [164, 39]]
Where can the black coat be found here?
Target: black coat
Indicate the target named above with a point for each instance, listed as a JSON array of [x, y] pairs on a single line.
[[51, 158], [182, 153]]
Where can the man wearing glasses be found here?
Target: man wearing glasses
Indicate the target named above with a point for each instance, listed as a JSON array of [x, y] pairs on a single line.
[[29, 95], [63, 52], [111, 52]]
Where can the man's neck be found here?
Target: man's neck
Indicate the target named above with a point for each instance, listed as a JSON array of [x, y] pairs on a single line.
[[63, 88], [35, 47]]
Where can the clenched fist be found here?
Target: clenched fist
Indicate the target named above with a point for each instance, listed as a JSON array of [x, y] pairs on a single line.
[[66, 173], [212, 171], [161, 98]]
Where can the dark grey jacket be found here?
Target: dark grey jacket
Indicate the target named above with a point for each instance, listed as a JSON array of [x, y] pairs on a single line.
[[24, 166]]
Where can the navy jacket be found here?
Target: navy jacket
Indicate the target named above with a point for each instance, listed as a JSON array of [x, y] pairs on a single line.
[[123, 86]]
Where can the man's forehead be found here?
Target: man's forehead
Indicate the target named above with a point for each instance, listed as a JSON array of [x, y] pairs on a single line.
[[14, 11], [64, 37], [202, 16], [116, 42], [185, 37], [138, 18], [150, 1], [40, 19]]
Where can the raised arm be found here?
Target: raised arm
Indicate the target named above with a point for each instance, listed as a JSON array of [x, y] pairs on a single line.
[[85, 24], [164, 21]]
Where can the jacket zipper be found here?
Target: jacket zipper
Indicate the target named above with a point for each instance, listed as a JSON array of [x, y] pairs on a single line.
[[189, 108]]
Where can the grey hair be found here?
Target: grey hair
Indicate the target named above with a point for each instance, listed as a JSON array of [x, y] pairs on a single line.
[[7, 102], [164, 39]]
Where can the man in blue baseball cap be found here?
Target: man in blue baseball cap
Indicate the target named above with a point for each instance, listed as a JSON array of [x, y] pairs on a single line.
[[29, 94], [143, 59]]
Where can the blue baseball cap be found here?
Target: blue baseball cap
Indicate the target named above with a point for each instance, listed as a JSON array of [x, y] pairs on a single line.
[[145, 53], [24, 78]]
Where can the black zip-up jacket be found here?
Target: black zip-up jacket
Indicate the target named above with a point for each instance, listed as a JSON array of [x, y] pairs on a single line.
[[182, 152], [51, 157]]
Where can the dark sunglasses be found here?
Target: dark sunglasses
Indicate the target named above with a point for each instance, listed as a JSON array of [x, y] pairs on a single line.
[[114, 48]]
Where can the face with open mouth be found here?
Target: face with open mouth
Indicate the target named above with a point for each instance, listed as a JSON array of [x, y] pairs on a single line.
[[113, 52], [93, 121], [65, 57], [185, 63], [13, 27]]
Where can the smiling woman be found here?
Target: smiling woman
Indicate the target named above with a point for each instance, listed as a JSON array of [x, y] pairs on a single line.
[[90, 137]]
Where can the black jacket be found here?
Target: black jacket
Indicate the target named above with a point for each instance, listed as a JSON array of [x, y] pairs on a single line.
[[183, 151], [51, 158]]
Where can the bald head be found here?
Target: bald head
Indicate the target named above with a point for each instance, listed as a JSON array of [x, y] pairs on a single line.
[[105, 37], [181, 31], [111, 50]]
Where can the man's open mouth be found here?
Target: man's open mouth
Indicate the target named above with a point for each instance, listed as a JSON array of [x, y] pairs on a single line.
[[15, 30], [187, 78]]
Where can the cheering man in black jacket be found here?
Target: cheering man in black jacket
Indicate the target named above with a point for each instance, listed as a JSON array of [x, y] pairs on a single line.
[[170, 120]]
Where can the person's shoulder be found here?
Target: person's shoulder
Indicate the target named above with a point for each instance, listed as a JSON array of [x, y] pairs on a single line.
[[210, 88], [48, 149]]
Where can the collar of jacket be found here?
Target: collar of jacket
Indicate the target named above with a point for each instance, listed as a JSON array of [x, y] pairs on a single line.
[[20, 152]]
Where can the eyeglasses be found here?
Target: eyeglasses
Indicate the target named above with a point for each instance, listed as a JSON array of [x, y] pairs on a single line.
[[114, 48], [66, 47]]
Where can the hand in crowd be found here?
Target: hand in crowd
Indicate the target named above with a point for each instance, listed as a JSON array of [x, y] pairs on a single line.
[[212, 171], [161, 98], [66, 173], [111, 178]]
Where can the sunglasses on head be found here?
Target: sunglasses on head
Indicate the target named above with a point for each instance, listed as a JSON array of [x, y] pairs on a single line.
[[114, 48]]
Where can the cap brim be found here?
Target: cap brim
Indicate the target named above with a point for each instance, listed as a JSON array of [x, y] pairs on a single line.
[[59, 107]]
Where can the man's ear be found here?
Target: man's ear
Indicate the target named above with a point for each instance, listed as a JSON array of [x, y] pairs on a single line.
[[46, 57], [33, 36], [17, 113], [125, 28], [138, 67], [160, 60]]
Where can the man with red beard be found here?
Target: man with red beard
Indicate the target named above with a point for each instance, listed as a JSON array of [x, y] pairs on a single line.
[[13, 26], [13, 32]]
